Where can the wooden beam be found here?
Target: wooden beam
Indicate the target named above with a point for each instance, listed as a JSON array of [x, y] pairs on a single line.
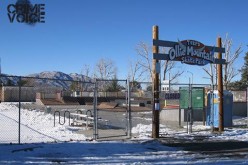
[[172, 44], [160, 56]]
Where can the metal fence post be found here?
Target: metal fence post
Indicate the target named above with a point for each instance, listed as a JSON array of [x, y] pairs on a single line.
[[95, 134], [19, 121], [129, 109], [189, 111]]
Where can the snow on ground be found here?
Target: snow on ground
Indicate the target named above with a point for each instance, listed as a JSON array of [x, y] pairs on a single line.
[[37, 127]]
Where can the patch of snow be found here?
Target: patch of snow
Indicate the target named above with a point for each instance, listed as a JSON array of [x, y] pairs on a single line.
[[38, 127]]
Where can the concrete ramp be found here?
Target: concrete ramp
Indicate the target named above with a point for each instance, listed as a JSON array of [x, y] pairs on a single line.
[[51, 102], [108, 105], [39, 102]]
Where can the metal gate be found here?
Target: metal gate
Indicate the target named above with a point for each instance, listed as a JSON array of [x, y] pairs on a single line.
[[185, 102], [111, 109]]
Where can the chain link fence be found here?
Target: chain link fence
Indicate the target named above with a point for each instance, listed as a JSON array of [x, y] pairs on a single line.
[[240, 108], [183, 106], [112, 115], [44, 110], [36, 109], [141, 105]]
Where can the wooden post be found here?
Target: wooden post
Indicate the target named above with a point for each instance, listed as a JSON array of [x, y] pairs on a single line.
[[220, 89], [156, 104]]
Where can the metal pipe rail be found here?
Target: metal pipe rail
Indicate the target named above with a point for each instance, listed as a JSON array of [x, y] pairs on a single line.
[[59, 117]]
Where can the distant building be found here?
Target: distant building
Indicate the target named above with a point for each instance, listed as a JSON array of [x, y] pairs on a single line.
[[165, 86], [76, 93], [11, 94]]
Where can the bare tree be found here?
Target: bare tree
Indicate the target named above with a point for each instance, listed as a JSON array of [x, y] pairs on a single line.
[[85, 77], [211, 72], [228, 69], [135, 73], [86, 70], [144, 53], [145, 59], [168, 67], [105, 69]]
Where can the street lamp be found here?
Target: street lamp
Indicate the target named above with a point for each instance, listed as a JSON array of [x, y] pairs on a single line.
[[191, 74]]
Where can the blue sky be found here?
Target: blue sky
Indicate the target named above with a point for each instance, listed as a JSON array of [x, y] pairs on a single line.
[[78, 32]]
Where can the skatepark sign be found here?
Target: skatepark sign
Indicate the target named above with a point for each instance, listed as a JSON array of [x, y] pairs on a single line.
[[189, 52]]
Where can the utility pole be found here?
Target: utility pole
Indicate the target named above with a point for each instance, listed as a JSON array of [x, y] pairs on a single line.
[[156, 104], [220, 89]]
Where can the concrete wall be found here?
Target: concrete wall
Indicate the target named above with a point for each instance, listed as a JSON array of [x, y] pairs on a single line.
[[11, 94], [56, 96], [239, 109], [1, 97], [173, 115]]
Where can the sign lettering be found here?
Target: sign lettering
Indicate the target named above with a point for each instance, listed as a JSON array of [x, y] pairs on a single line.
[[191, 52], [172, 96]]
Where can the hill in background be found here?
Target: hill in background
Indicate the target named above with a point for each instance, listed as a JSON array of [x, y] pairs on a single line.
[[48, 79]]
